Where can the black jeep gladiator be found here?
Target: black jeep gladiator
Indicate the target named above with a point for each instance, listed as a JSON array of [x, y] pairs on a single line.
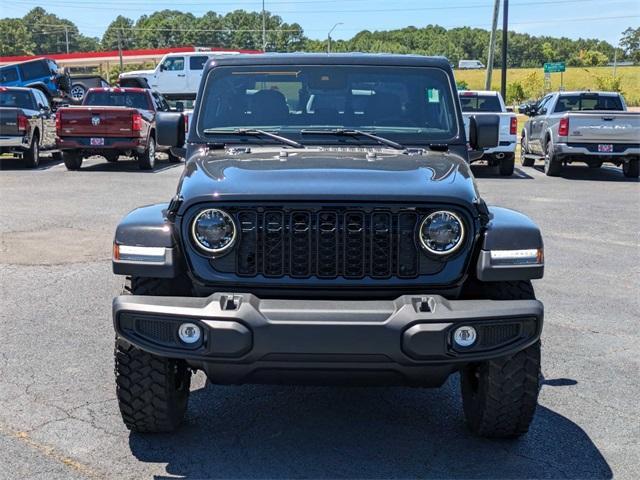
[[327, 229]]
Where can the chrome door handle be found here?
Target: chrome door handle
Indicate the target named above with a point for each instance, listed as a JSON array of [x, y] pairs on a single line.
[[181, 74]]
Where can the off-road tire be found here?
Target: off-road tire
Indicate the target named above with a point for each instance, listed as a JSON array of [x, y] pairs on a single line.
[[147, 159], [111, 157], [525, 161], [507, 165], [552, 166], [31, 156], [500, 396], [72, 159], [631, 169], [152, 391]]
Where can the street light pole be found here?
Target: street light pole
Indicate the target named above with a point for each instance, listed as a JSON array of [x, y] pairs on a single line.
[[66, 37], [329, 36], [505, 28], [492, 45], [264, 29]]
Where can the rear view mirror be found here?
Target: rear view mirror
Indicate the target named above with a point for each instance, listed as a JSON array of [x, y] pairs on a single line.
[[179, 107], [483, 131], [170, 129]]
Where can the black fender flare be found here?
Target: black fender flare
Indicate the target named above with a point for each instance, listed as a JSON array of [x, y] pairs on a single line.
[[147, 226], [509, 230]]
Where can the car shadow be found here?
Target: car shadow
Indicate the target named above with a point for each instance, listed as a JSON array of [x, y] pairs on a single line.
[[485, 171], [606, 173], [14, 163], [125, 164], [329, 432]]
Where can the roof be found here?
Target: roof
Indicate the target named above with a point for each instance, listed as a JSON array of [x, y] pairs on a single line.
[[20, 89], [588, 92], [478, 92], [381, 59], [118, 89]]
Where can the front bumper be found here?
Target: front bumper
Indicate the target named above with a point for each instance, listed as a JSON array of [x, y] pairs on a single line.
[[251, 340]]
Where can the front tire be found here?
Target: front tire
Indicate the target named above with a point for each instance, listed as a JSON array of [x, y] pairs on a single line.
[[31, 156], [500, 396], [147, 159], [524, 160], [631, 169]]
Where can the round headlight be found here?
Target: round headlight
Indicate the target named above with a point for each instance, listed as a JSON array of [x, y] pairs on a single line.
[[441, 233], [213, 230]]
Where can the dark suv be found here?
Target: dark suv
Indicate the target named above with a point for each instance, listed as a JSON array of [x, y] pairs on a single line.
[[43, 74], [327, 229]]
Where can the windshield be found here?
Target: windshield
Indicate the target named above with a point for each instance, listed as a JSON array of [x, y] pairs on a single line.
[[16, 98], [410, 104], [479, 103], [572, 103], [117, 99]]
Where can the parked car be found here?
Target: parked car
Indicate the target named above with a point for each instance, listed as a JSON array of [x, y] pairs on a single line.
[[40, 73], [81, 83], [176, 76], [348, 245], [470, 64], [479, 102], [582, 126], [27, 125], [112, 122]]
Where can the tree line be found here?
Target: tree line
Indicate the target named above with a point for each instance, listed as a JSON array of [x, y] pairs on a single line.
[[40, 32]]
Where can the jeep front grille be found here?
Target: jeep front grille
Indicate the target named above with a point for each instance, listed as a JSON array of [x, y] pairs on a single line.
[[327, 243]]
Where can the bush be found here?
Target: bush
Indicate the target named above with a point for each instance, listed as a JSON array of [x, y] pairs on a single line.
[[609, 83], [515, 93], [462, 85]]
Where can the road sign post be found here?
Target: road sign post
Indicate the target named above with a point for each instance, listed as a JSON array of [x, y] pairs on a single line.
[[555, 67]]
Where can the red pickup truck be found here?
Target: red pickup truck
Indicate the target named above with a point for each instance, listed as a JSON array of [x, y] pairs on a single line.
[[111, 122]]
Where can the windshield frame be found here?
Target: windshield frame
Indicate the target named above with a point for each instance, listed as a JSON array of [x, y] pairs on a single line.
[[457, 135]]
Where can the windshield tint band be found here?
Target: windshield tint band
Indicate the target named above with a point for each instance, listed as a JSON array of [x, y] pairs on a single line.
[[407, 104]]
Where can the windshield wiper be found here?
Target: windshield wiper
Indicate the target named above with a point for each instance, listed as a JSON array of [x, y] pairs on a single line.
[[355, 133], [255, 132]]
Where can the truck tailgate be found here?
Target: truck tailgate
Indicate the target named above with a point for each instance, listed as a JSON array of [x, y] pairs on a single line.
[[604, 127], [97, 121], [9, 122]]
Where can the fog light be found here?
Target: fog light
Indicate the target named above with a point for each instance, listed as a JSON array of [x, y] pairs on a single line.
[[189, 333], [465, 336]]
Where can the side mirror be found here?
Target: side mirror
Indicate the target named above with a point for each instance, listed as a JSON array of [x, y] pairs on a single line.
[[162, 68], [509, 109], [483, 131], [179, 107], [170, 129]]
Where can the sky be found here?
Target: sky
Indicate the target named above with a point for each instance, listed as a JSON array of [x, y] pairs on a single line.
[[602, 19]]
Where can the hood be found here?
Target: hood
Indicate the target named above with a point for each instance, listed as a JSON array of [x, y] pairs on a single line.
[[136, 73], [339, 175]]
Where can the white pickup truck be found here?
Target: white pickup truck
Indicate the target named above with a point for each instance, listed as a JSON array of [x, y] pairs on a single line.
[[589, 127], [177, 76], [478, 102]]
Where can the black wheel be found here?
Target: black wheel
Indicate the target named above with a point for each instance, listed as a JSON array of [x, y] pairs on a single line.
[[31, 156], [72, 159], [500, 396], [77, 92], [552, 166], [147, 159], [111, 156], [152, 391], [506, 165], [525, 161], [57, 156], [631, 168], [597, 164], [173, 158]]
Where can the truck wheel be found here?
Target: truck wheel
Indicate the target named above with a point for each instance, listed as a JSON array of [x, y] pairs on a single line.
[[147, 159], [152, 391], [597, 164], [72, 159], [111, 157], [31, 156], [507, 165], [631, 169], [552, 167], [173, 158], [526, 162], [500, 396]]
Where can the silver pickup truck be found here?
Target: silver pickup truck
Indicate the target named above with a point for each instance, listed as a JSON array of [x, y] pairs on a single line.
[[589, 127]]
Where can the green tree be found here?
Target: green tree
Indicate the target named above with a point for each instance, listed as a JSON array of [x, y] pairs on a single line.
[[549, 52], [15, 38], [630, 42], [121, 28]]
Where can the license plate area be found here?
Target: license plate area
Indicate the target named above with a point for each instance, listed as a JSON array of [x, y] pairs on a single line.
[[605, 148]]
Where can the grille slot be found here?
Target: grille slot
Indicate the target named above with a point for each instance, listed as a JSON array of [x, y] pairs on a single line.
[[327, 243]]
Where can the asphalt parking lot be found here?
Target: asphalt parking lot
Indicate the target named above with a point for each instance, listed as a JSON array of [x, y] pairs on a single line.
[[58, 413]]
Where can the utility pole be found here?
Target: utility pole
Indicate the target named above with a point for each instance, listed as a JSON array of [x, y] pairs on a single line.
[[66, 37], [329, 36], [264, 29], [120, 49], [492, 45], [505, 31]]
